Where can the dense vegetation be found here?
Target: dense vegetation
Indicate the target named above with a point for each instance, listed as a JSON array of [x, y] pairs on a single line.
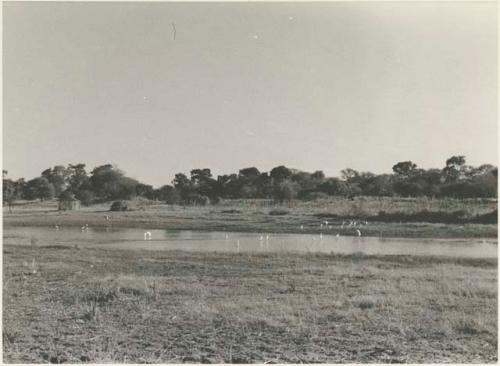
[[107, 182]]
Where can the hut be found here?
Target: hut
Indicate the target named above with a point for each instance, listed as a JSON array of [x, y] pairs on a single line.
[[68, 202]]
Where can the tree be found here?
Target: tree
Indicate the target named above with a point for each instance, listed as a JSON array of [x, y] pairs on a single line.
[[39, 188], [456, 161], [404, 168], [251, 173], [349, 174], [8, 191], [200, 176], [318, 175], [12, 190], [286, 190], [109, 183], [145, 190], [332, 186], [85, 196], [381, 185], [78, 178], [305, 181], [58, 176], [265, 186], [202, 182], [167, 194], [227, 186], [453, 169], [280, 173], [183, 185]]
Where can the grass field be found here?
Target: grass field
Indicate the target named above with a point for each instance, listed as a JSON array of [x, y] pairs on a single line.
[[63, 304], [265, 216]]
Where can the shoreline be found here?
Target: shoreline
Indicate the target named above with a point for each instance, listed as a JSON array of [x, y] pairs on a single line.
[[397, 218], [374, 229]]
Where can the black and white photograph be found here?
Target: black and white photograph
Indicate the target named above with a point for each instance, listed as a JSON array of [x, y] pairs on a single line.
[[250, 182]]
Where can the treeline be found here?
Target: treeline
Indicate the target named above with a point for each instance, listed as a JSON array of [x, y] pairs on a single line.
[[107, 182]]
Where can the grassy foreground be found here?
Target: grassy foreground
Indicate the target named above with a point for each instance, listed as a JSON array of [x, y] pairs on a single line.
[[63, 304], [265, 216]]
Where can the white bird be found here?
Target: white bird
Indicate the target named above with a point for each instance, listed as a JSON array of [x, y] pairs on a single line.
[[56, 227], [338, 235], [321, 225], [301, 227], [147, 235], [227, 236], [261, 238], [358, 232], [320, 236], [255, 36], [343, 223], [267, 237], [83, 228]]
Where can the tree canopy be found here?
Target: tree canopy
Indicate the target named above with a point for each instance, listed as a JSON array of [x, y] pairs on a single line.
[[107, 182]]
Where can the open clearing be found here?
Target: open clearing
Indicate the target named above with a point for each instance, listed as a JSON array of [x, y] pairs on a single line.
[[64, 304]]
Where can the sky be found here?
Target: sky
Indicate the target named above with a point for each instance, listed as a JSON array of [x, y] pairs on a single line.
[[313, 86]]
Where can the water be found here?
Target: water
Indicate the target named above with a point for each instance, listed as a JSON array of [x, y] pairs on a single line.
[[247, 242]]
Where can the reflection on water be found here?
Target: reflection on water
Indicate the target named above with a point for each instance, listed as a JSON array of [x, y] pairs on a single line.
[[247, 242]]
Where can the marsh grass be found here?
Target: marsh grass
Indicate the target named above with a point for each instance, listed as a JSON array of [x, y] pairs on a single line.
[[392, 217]]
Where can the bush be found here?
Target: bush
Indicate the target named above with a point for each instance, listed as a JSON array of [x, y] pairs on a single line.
[[455, 217], [232, 211], [278, 212], [487, 218], [119, 206], [312, 195]]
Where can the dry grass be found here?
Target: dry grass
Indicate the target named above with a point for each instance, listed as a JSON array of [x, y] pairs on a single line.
[[257, 216], [90, 305]]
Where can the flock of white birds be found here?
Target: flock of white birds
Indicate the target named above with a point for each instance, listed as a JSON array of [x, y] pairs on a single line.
[[324, 224]]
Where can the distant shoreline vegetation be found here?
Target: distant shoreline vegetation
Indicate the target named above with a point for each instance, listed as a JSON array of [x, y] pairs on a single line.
[[107, 182]]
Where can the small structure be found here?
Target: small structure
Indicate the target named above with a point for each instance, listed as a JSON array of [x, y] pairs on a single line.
[[68, 202]]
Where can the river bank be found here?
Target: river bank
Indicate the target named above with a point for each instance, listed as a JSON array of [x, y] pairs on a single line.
[[331, 217]]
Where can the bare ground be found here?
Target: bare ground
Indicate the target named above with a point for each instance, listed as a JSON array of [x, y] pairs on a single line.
[[67, 304]]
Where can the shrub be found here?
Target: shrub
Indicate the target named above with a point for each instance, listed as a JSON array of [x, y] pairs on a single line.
[[119, 206], [278, 212]]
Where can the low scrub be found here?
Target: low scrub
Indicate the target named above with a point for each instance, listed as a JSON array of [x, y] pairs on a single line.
[[119, 206], [443, 217], [232, 211], [278, 212]]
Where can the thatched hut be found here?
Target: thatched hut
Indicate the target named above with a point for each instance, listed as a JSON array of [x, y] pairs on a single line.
[[68, 202]]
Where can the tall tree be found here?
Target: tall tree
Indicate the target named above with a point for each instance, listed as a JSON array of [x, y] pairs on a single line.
[[280, 173], [39, 188], [453, 169], [108, 182], [58, 176], [404, 168]]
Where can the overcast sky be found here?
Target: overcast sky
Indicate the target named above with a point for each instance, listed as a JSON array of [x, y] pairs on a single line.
[[313, 86]]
